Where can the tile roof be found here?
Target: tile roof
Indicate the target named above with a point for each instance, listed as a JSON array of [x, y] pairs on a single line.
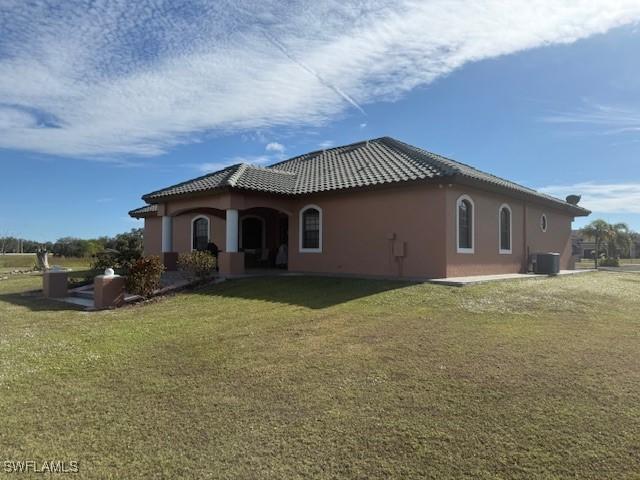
[[373, 162], [143, 211]]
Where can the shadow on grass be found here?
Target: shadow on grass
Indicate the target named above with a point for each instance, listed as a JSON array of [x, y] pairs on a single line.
[[305, 291], [35, 302]]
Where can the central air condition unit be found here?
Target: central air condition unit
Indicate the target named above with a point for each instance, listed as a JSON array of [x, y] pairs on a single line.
[[546, 263]]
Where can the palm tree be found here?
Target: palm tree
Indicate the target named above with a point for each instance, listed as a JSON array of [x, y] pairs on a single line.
[[620, 240], [601, 232]]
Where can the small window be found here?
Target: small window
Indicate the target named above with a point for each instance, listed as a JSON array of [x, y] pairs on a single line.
[[200, 233], [311, 229], [505, 229], [543, 222], [465, 224]]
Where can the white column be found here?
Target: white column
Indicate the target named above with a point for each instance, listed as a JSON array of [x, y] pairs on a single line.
[[167, 233], [232, 230]]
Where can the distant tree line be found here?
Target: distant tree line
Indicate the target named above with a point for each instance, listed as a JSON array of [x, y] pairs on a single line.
[[76, 247]]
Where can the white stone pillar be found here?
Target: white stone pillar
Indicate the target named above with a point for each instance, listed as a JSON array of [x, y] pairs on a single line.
[[167, 234], [232, 230]]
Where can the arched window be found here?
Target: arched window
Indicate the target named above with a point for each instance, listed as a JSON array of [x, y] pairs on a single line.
[[311, 229], [465, 224], [199, 233], [543, 223], [504, 219]]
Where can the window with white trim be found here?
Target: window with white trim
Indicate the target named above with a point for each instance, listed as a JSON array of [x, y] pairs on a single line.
[[465, 224], [504, 219], [199, 233], [311, 229]]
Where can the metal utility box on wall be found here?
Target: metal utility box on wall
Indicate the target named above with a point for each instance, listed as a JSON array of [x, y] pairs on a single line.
[[546, 263]]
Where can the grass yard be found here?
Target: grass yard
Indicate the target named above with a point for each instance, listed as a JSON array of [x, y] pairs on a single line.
[[330, 378], [28, 260]]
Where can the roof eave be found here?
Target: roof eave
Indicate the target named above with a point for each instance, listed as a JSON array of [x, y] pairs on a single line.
[[532, 197]]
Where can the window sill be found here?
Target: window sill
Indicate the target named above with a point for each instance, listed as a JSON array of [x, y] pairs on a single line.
[[467, 251], [310, 250], [506, 252]]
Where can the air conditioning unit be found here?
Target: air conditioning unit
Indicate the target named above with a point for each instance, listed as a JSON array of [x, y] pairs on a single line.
[[546, 263]]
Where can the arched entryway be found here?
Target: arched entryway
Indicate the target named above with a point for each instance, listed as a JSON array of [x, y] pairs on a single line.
[[263, 237]]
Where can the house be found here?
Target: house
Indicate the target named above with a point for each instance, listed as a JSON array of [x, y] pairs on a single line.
[[584, 246], [375, 208]]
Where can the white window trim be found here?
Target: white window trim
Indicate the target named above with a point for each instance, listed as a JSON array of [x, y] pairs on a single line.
[[500, 249], [193, 221], [546, 222], [300, 226], [473, 225], [263, 241]]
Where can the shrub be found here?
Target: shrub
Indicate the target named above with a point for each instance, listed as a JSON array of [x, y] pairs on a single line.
[[197, 264], [609, 262], [144, 276]]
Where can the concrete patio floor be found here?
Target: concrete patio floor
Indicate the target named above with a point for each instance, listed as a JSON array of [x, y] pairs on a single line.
[[473, 280]]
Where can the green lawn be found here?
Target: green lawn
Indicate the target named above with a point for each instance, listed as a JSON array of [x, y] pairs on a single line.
[[26, 261], [330, 378]]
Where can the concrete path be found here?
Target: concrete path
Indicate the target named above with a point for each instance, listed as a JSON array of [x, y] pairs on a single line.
[[473, 280]]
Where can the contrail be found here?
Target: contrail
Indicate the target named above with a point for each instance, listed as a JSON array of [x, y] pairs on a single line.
[[284, 50]]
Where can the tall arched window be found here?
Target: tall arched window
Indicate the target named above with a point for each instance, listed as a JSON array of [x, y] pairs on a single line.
[[311, 229], [505, 229], [199, 233], [465, 224]]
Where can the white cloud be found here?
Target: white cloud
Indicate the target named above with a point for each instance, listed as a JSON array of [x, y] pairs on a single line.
[[326, 144], [603, 198], [275, 147], [112, 78], [363, 125]]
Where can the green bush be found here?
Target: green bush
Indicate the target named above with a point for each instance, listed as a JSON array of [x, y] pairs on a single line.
[[609, 262], [144, 276], [197, 264]]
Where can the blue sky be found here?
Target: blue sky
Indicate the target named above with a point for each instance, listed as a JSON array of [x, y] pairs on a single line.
[[103, 102]]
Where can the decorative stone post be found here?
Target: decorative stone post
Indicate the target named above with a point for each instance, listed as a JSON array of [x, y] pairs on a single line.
[[108, 290], [54, 283]]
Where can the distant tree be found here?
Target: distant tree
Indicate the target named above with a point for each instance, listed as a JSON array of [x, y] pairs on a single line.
[[619, 243], [601, 232]]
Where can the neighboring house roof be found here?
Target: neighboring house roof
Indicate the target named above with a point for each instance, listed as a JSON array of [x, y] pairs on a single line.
[[364, 164]]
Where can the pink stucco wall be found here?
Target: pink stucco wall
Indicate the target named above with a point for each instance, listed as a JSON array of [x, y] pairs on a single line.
[[363, 232], [361, 228], [487, 258]]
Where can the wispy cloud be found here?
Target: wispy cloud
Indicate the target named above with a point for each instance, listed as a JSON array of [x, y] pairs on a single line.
[[608, 119], [275, 147], [106, 78], [602, 198], [326, 144]]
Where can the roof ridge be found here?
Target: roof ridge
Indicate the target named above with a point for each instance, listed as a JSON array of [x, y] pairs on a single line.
[[235, 176], [269, 169], [201, 177], [315, 153]]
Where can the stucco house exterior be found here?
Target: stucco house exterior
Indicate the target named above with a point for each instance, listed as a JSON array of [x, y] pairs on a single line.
[[375, 208]]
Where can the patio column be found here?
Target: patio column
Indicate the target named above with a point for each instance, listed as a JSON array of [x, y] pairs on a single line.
[[232, 230], [231, 262], [169, 257], [167, 234]]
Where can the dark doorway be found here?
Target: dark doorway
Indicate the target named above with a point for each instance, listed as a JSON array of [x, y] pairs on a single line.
[[252, 233]]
